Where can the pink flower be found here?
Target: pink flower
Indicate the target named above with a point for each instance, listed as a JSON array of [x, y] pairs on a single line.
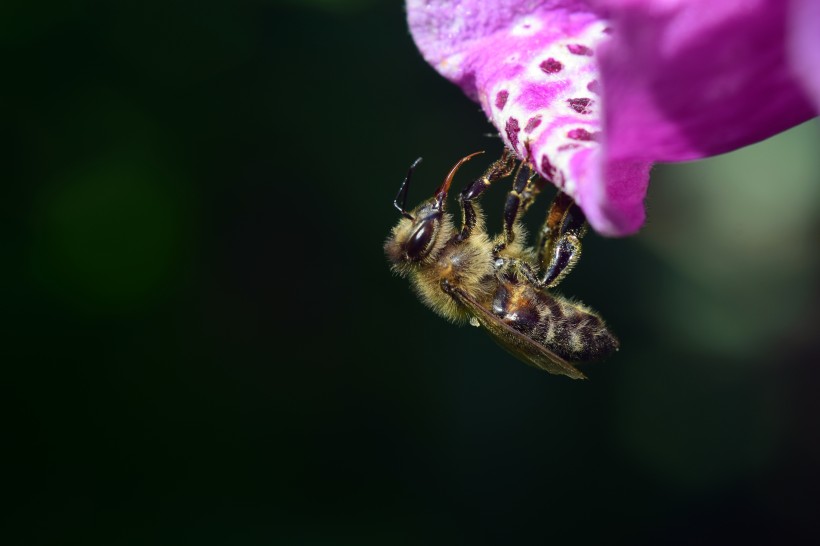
[[593, 92]]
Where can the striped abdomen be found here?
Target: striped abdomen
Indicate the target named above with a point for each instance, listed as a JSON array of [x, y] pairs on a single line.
[[566, 328]]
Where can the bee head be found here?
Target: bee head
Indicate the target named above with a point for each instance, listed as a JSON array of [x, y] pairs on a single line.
[[413, 238], [424, 229]]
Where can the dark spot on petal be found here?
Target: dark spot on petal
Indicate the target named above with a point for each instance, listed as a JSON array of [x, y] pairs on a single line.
[[582, 134], [532, 123], [512, 129], [551, 66], [580, 105], [565, 147], [546, 167], [594, 86], [607, 30], [501, 99], [579, 49]]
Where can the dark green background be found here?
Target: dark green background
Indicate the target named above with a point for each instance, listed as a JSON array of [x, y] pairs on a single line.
[[206, 346]]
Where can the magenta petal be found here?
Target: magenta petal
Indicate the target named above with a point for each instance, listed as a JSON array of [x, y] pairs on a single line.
[[593, 92], [805, 45], [689, 79], [533, 68]]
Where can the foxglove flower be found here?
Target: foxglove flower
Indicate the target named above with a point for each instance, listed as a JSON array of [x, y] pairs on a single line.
[[593, 92]]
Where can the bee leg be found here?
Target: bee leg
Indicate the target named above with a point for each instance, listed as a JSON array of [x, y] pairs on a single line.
[[526, 186], [559, 246], [499, 169]]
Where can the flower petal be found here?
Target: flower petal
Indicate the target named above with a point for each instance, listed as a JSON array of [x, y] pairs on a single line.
[[532, 67], [686, 79], [678, 79], [805, 45]]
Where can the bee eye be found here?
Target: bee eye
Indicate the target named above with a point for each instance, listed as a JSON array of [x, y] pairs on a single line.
[[420, 240]]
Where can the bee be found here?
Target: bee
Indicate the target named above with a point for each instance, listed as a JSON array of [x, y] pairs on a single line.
[[500, 283]]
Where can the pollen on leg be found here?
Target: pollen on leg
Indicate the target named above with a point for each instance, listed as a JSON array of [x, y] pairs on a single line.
[[580, 105], [513, 129], [551, 66], [501, 99]]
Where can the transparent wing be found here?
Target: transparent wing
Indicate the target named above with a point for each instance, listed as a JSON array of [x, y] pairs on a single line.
[[519, 345]]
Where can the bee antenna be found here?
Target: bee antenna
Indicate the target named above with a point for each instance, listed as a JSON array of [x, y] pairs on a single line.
[[405, 186]]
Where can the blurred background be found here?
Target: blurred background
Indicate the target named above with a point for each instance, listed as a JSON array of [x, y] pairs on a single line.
[[205, 344]]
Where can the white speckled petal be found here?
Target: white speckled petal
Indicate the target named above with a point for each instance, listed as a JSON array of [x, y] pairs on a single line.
[[532, 67], [675, 80]]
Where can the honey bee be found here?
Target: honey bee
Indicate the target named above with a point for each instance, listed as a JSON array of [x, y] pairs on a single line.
[[499, 282]]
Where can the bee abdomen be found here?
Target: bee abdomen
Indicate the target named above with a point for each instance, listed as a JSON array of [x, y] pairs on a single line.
[[566, 329], [579, 335], [515, 306]]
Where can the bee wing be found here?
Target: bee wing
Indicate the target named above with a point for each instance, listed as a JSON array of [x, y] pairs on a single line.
[[521, 346]]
